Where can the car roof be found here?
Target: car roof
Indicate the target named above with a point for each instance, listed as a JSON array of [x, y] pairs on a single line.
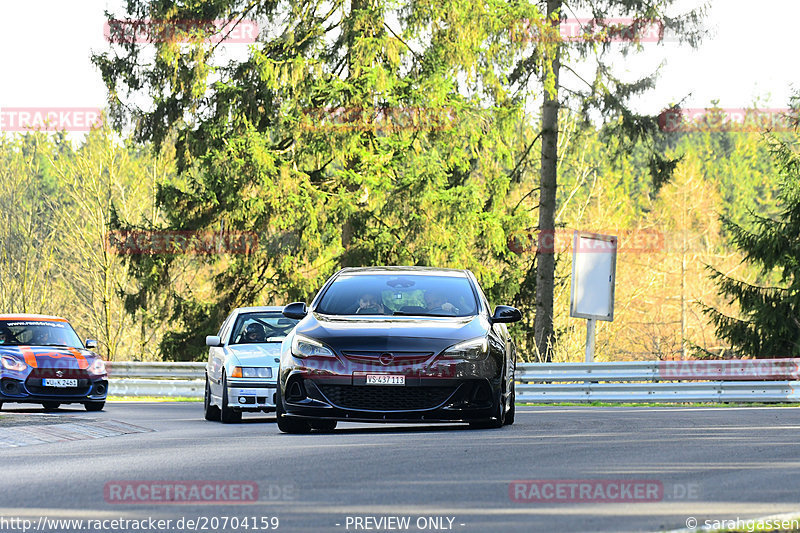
[[28, 316], [410, 270]]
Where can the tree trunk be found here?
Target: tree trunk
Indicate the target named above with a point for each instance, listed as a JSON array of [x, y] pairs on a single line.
[[545, 255]]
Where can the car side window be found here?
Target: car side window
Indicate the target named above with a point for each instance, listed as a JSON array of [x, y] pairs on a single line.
[[226, 326]]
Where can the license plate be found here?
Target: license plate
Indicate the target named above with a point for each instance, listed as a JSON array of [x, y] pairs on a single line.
[[47, 382], [385, 379]]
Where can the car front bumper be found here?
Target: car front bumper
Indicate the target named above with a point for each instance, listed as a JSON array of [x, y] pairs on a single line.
[[32, 391], [420, 400], [251, 395]]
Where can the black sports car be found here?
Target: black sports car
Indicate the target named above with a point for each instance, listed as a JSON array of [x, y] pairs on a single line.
[[397, 344]]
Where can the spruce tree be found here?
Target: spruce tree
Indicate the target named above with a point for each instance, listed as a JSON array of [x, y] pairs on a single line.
[[769, 321]]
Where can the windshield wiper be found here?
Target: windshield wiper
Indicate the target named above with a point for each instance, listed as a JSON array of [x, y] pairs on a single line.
[[403, 313]]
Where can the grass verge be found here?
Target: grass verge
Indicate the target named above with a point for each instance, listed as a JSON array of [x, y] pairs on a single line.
[[152, 399]]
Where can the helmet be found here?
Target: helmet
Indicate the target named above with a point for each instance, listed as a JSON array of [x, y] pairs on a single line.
[[254, 332]]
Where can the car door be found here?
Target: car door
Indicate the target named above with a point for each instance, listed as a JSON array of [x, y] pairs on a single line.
[[217, 356]]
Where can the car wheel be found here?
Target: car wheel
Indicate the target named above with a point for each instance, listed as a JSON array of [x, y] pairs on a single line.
[[228, 415], [210, 412], [498, 418], [50, 406], [323, 425], [94, 406], [287, 424], [512, 411]]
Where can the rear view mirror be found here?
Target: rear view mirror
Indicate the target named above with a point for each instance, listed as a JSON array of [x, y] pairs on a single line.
[[296, 310], [506, 313], [213, 340], [91, 344]]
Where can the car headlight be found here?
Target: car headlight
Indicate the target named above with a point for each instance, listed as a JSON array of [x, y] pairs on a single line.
[[251, 372], [307, 347], [471, 350], [97, 368], [12, 363]]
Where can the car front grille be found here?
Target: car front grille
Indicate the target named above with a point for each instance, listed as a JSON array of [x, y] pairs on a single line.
[[66, 373], [34, 383], [386, 398], [397, 358]]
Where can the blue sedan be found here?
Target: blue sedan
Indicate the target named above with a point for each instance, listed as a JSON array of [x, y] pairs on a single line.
[[243, 358]]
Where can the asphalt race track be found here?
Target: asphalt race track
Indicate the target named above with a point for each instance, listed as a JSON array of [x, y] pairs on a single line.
[[706, 464]]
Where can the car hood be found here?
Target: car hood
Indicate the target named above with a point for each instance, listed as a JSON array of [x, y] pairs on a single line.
[[51, 356], [409, 334], [256, 354]]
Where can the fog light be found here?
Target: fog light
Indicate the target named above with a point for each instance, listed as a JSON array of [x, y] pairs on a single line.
[[242, 399]]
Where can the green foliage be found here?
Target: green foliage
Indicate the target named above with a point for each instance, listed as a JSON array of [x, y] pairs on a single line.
[[374, 134], [769, 325], [55, 200]]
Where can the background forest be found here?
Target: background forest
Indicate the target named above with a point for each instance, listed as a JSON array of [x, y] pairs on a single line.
[[59, 200]]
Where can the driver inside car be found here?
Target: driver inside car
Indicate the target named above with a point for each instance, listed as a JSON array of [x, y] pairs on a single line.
[[41, 337], [436, 302], [254, 333], [368, 304]]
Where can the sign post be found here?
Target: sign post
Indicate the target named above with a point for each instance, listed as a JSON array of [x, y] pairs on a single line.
[[594, 264]]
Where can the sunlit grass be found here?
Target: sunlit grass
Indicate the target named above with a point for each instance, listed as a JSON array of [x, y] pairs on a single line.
[[152, 399]]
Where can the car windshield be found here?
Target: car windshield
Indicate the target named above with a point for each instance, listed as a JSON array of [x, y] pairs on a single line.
[[38, 333], [260, 327], [399, 294]]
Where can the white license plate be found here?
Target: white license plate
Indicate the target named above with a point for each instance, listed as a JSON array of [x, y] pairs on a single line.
[[60, 382], [385, 379]]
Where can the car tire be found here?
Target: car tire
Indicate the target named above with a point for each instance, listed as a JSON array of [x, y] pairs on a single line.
[[50, 406], [512, 411], [94, 406], [210, 412], [324, 425], [498, 418], [287, 424], [228, 415]]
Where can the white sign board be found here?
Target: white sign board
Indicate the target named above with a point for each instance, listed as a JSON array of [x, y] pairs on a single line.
[[594, 263]]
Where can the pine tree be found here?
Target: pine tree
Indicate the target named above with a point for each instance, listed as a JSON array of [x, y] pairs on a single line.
[[769, 321], [353, 133]]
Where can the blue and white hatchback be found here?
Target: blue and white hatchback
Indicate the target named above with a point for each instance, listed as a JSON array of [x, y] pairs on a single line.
[[243, 358]]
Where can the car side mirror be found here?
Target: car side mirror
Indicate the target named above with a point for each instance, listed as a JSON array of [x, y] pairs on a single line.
[[91, 344], [213, 340], [296, 310], [505, 314]]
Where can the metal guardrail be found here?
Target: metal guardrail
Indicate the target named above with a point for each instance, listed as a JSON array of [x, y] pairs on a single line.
[[738, 380], [155, 370], [131, 378], [171, 388], [751, 380]]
